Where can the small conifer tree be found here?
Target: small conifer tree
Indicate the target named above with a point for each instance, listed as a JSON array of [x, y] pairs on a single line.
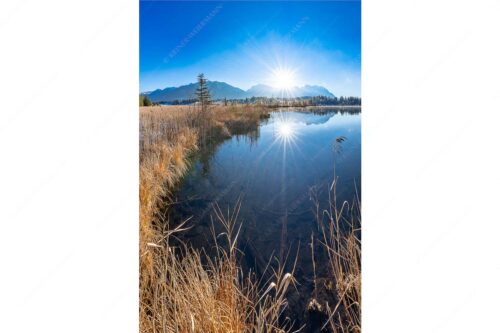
[[202, 92]]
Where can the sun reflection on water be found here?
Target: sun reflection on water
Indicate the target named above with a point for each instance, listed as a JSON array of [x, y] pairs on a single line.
[[286, 131]]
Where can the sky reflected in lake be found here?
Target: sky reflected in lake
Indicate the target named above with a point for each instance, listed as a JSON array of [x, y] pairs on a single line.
[[278, 172], [273, 172]]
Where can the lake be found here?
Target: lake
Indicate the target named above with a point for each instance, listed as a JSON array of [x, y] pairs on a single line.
[[275, 172]]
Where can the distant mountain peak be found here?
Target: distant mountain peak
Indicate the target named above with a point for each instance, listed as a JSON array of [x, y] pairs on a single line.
[[258, 85], [221, 90]]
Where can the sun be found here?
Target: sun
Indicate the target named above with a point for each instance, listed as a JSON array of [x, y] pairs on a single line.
[[283, 78]]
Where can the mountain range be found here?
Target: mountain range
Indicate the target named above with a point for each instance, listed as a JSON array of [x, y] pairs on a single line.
[[221, 90]]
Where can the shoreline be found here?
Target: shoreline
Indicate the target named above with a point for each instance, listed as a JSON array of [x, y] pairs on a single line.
[[168, 106]]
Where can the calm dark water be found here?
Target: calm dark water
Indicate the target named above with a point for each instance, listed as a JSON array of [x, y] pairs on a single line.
[[273, 172]]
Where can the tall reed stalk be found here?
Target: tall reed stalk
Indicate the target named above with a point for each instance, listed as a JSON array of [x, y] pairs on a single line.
[[340, 233]]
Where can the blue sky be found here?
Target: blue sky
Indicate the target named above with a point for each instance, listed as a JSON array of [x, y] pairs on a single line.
[[244, 43]]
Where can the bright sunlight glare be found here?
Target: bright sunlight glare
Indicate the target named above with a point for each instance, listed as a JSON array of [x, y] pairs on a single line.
[[283, 78], [285, 131]]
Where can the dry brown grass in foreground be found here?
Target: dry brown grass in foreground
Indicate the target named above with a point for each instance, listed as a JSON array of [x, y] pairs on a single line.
[[190, 296], [178, 293], [340, 230]]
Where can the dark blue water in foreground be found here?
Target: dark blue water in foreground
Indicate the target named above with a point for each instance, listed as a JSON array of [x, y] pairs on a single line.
[[274, 172]]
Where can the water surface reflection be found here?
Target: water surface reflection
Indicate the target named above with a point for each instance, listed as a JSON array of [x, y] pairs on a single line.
[[275, 172]]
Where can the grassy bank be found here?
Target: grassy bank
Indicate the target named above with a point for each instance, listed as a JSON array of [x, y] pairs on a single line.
[[178, 293]]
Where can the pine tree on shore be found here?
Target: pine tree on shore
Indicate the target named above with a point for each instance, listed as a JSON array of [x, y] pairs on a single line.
[[202, 92]]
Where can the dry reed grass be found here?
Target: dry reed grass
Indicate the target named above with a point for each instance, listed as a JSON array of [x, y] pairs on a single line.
[[189, 295], [178, 291], [340, 232]]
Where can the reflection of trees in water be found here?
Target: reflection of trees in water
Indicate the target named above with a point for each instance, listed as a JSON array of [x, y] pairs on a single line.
[[205, 156], [208, 151], [335, 110]]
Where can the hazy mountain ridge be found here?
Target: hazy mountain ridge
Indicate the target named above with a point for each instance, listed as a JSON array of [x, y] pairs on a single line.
[[221, 90], [262, 90]]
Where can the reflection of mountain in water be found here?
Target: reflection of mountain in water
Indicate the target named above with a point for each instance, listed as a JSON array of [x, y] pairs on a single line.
[[319, 120]]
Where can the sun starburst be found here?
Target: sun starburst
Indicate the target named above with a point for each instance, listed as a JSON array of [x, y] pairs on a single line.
[[286, 131], [283, 78]]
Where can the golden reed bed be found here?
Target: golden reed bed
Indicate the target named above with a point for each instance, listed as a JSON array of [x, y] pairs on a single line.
[[178, 293]]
